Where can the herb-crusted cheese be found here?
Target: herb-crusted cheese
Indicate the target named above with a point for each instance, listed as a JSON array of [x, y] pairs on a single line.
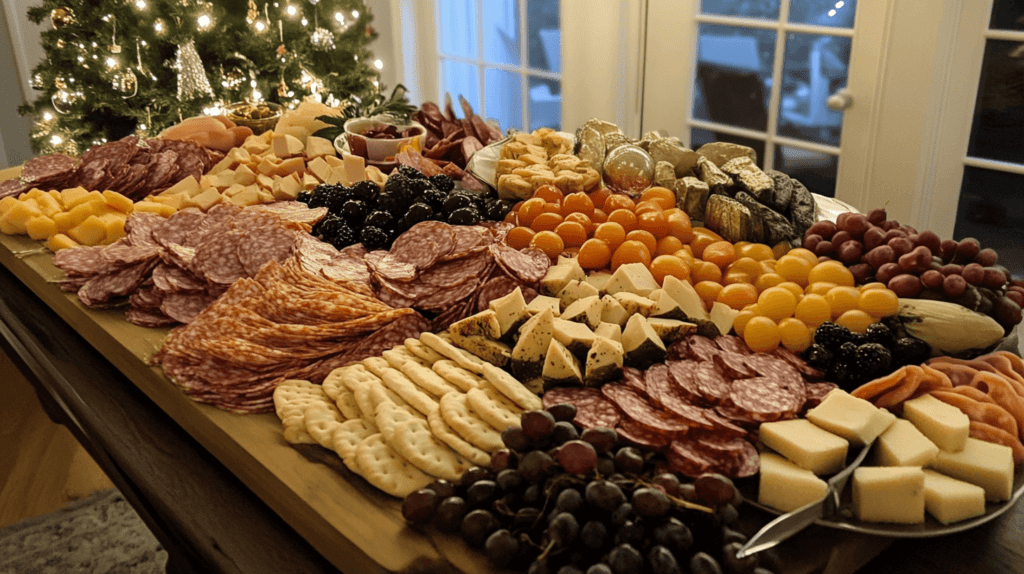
[[558, 276], [613, 312], [689, 301], [609, 331], [511, 312], [635, 304], [632, 278], [541, 302], [485, 323], [532, 346], [604, 362], [561, 369], [641, 344], [671, 330], [491, 351], [577, 337], [574, 291], [586, 311]]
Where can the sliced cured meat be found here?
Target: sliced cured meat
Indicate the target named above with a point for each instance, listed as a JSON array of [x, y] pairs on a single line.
[[103, 288], [711, 384], [494, 288], [529, 265], [762, 399], [178, 228], [447, 297], [346, 267], [139, 228], [149, 318], [732, 344], [747, 464], [185, 307], [664, 392], [641, 436], [413, 290], [700, 348], [592, 409], [684, 376], [733, 365], [391, 335], [799, 364], [637, 408], [120, 255], [686, 459], [264, 244], [424, 244], [456, 271], [13, 188], [82, 261], [455, 313], [217, 260], [391, 268], [636, 379], [47, 168], [722, 425], [469, 239], [737, 416], [816, 392], [146, 298]]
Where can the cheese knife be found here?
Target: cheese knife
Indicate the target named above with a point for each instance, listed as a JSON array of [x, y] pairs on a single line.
[[789, 524]]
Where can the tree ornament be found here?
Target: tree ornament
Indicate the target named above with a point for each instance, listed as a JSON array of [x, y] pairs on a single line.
[[281, 50], [64, 101], [232, 78], [127, 83], [60, 43], [192, 80], [251, 13], [37, 82], [62, 16], [282, 89], [370, 31], [322, 40], [629, 169]]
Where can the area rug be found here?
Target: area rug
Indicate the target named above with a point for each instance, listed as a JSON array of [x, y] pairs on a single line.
[[98, 534]]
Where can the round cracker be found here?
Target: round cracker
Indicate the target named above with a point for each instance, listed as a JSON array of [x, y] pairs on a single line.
[[493, 407], [347, 437], [469, 426], [414, 441], [445, 433], [384, 468]]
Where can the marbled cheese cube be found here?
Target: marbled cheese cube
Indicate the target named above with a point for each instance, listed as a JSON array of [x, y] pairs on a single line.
[[854, 419], [889, 494], [943, 424], [985, 464], [903, 445], [807, 445], [785, 486], [950, 500]]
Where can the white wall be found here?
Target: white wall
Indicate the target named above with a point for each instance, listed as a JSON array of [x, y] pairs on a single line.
[[20, 51]]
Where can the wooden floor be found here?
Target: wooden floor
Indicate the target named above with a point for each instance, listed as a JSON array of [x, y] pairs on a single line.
[[42, 466]]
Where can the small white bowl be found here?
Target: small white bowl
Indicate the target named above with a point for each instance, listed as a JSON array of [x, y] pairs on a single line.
[[373, 149]]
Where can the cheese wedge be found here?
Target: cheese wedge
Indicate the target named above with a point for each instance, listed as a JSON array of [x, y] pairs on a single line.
[[575, 290], [982, 463], [604, 362], [558, 276], [609, 331], [561, 369], [903, 445], [532, 347], [945, 425], [950, 500], [586, 310], [806, 444], [541, 302], [854, 419], [613, 312], [642, 345], [893, 494], [635, 304], [785, 486], [633, 278], [510, 312], [577, 337]]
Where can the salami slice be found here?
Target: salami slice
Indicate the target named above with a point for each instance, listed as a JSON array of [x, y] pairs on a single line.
[[687, 460], [146, 298], [150, 318], [683, 375], [778, 370], [722, 425], [424, 244], [391, 335], [390, 267], [529, 265], [469, 239], [816, 392], [711, 384], [636, 379], [455, 313], [641, 436], [797, 362], [747, 464], [456, 271], [414, 290], [732, 365], [494, 288], [762, 399], [701, 349], [265, 244], [592, 409], [346, 267], [103, 288], [447, 297], [732, 344], [663, 390], [185, 307], [636, 407], [217, 259], [140, 227], [82, 261], [44, 169], [178, 227], [737, 416], [13, 188]]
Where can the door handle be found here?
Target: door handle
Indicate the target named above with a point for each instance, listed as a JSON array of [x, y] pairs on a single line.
[[839, 101]]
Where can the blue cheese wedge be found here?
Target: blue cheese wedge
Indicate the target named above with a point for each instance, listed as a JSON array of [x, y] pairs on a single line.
[[635, 304], [491, 351], [532, 346], [632, 278], [558, 276], [643, 346], [541, 302], [577, 337], [613, 312], [510, 312], [586, 311], [600, 280], [604, 362], [671, 330], [561, 369], [484, 323], [609, 331], [574, 291]]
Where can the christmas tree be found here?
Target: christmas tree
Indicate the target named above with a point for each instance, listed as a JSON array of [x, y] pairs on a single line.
[[118, 67]]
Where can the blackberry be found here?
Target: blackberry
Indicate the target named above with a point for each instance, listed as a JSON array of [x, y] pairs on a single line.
[[858, 338], [457, 201], [442, 181], [415, 189], [435, 198], [819, 356], [879, 333], [391, 203], [373, 238], [396, 183], [354, 212], [831, 335], [329, 226], [911, 351], [365, 190], [464, 216], [343, 237], [418, 212], [379, 219], [847, 353], [303, 197], [410, 172], [496, 210], [844, 375], [321, 196], [872, 359]]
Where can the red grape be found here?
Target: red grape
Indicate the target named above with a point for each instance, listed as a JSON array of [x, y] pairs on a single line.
[[577, 457]]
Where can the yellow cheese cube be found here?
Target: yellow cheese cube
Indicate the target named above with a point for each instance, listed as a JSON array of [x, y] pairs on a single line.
[[264, 181], [154, 207], [255, 145], [374, 174], [83, 210], [297, 132], [223, 180], [248, 196], [64, 221], [175, 200], [71, 196], [334, 161], [228, 163], [337, 175], [244, 175], [92, 196], [47, 204], [319, 168], [268, 166], [903, 445], [785, 486], [950, 500], [287, 188], [287, 145], [189, 186], [89, 232], [317, 147], [61, 241], [33, 193], [205, 200], [309, 181], [291, 165], [119, 202], [55, 194], [982, 463], [40, 227], [242, 155], [809, 446], [943, 424], [355, 168], [113, 223], [854, 419], [889, 494], [14, 219], [235, 188], [6, 203]]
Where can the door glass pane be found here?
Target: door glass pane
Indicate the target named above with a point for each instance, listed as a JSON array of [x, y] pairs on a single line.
[[699, 137], [832, 13], [816, 170], [998, 128], [815, 67], [545, 104], [543, 28], [457, 27], [993, 215], [766, 9], [734, 70], [458, 78], [504, 98], [501, 31], [1007, 15]]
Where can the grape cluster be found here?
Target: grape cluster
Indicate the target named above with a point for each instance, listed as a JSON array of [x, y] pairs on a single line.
[[365, 213], [920, 265], [851, 359], [557, 501]]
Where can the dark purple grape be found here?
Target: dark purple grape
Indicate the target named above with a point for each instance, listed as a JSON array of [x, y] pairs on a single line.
[[714, 489], [477, 526], [605, 465], [570, 569], [563, 529], [481, 492], [564, 432], [532, 494], [621, 514], [504, 459], [563, 412], [730, 535], [727, 513], [569, 500], [703, 563], [650, 502], [419, 507], [593, 535], [625, 559], [526, 517], [688, 492], [536, 465], [473, 474], [516, 440], [736, 565], [674, 535], [443, 488], [954, 285], [932, 279], [603, 439], [577, 457], [662, 561], [501, 548], [537, 424], [540, 567], [631, 532], [604, 494], [668, 482], [630, 460], [450, 513], [986, 257], [509, 479], [599, 568]]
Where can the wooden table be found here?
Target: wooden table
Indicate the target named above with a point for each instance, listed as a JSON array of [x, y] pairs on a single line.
[[225, 493]]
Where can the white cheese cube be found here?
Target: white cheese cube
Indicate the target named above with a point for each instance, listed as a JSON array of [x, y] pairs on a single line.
[[903, 445], [785, 486], [561, 369], [576, 336], [317, 146], [285, 145], [609, 331], [635, 304], [599, 280], [689, 301], [511, 311], [541, 302], [723, 317], [809, 446], [950, 500], [982, 463], [889, 494], [632, 278], [355, 168], [943, 424], [586, 310], [559, 276], [532, 346], [854, 419], [613, 312], [604, 362], [574, 291]]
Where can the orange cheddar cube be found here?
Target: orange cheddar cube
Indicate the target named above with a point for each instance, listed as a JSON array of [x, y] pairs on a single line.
[[40, 227], [89, 232], [14, 219], [113, 223], [61, 241], [89, 197], [118, 201], [154, 207]]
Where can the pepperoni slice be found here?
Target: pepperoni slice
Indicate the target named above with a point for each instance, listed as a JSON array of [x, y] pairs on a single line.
[[592, 409], [641, 436], [637, 408], [671, 397], [763, 399], [424, 244]]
